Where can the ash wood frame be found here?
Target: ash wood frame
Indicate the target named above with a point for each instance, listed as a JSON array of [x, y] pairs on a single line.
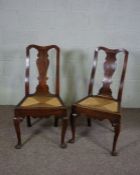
[[43, 90], [104, 92]]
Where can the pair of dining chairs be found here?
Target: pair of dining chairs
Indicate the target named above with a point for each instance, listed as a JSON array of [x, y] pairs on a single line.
[[43, 103]]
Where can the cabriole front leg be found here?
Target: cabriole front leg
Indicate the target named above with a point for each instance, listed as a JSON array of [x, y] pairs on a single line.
[[17, 121]]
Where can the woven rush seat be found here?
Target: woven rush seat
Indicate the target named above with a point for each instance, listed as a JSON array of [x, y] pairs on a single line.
[[41, 101], [100, 104]]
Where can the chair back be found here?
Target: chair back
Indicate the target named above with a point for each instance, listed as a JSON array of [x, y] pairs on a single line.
[[42, 63], [109, 68]]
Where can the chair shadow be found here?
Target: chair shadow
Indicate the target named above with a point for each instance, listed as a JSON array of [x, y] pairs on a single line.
[[99, 144], [101, 124], [135, 142], [41, 128], [36, 132], [86, 133], [74, 72], [36, 121], [94, 140]]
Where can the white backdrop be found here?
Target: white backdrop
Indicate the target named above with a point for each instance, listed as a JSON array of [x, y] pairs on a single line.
[[78, 27]]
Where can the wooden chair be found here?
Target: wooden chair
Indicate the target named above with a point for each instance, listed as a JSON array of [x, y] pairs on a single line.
[[103, 105], [42, 103]]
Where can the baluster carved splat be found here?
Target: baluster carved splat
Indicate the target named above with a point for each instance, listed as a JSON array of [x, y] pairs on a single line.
[[42, 63], [109, 69]]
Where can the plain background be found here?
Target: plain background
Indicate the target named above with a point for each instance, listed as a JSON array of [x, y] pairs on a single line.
[[78, 27]]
